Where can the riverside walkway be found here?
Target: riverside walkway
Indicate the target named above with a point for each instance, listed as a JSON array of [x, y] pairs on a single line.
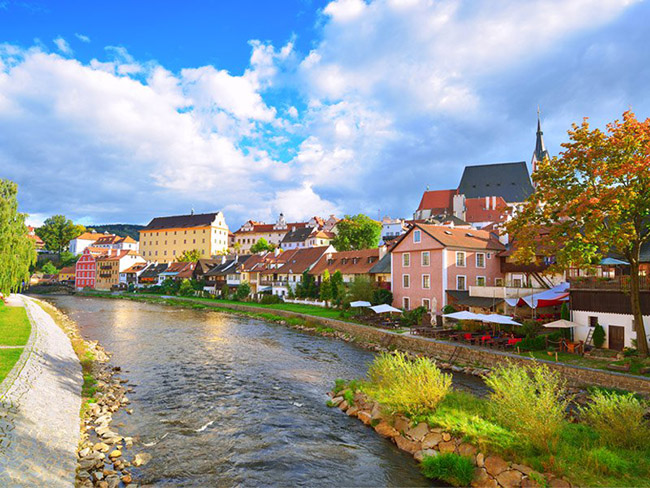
[[40, 402]]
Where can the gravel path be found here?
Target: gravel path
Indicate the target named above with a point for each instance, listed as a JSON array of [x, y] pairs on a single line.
[[39, 408]]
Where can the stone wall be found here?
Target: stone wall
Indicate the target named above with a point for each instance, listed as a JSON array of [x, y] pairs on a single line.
[[463, 353]]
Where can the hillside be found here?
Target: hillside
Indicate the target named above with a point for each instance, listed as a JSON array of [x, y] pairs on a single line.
[[119, 229]]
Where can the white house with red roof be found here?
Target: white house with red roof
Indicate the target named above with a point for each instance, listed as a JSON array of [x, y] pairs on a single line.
[[77, 245]]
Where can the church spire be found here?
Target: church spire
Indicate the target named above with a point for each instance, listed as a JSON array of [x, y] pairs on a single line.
[[540, 152]]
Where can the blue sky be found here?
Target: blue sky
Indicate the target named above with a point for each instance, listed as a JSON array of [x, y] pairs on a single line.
[[122, 111]]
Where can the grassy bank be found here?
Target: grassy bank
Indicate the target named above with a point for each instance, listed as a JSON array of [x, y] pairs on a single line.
[[15, 330], [524, 420]]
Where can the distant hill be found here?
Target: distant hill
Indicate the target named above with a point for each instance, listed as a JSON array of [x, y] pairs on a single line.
[[123, 230]]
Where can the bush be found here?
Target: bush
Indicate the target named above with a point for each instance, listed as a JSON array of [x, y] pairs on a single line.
[[413, 317], [413, 387], [49, 268], [608, 462], [381, 295], [530, 329], [243, 291], [225, 291], [186, 289], [531, 401], [618, 419], [599, 336], [448, 309], [270, 299], [449, 467]]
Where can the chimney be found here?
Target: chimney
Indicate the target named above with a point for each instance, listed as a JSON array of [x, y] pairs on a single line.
[[487, 203], [494, 203]]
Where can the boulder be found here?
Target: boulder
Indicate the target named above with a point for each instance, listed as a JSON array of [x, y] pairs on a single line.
[[466, 449], [446, 436], [483, 480], [336, 401], [115, 454], [524, 469], [113, 481], [529, 483], [141, 459], [365, 417], [447, 447], [558, 483], [420, 455], [495, 465], [407, 444], [418, 432], [376, 412], [126, 479], [510, 478], [431, 440], [343, 405], [352, 411], [384, 429], [84, 452], [101, 447], [401, 424], [480, 459]]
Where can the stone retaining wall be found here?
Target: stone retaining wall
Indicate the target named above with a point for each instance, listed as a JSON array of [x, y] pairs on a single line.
[[462, 353]]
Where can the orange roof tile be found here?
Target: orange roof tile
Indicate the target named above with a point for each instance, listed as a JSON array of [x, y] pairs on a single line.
[[347, 262], [301, 260], [455, 237], [438, 201]]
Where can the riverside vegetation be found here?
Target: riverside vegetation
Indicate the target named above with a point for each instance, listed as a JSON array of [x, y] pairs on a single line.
[[529, 419]]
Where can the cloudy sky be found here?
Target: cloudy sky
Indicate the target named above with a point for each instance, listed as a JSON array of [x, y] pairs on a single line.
[[121, 111]]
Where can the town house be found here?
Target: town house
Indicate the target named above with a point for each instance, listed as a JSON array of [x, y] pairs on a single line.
[[351, 264], [110, 265], [430, 261]]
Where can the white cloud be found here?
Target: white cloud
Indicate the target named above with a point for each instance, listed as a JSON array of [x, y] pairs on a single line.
[[63, 46], [82, 37]]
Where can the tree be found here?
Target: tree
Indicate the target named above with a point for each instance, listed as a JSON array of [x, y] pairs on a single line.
[[564, 312], [326, 287], [57, 232], [225, 291], [382, 295], [190, 256], [186, 289], [262, 245], [356, 232], [49, 268], [17, 250], [361, 289], [338, 286], [243, 291], [599, 336], [592, 199]]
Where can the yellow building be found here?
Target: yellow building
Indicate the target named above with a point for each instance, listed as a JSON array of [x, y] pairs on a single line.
[[165, 239], [109, 266]]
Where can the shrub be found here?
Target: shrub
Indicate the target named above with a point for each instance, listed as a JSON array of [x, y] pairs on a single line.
[[564, 312], [402, 385], [225, 291], [449, 467], [270, 299], [243, 291], [599, 336], [381, 295], [186, 289], [530, 329], [618, 419], [608, 462], [448, 309], [531, 401], [412, 317]]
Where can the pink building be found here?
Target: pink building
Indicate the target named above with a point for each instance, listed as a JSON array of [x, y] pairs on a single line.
[[86, 267], [429, 260]]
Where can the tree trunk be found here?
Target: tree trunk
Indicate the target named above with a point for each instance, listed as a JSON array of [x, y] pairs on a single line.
[[635, 299]]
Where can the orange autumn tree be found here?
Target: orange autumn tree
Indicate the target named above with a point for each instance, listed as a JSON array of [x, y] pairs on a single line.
[[592, 199]]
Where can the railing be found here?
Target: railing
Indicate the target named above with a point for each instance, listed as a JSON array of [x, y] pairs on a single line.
[[502, 291], [618, 283]]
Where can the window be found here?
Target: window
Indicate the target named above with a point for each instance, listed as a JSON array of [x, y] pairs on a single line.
[[426, 258], [489, 255], [417, 236], [406, 259], [407, 303], [480, 260], [593, 321], [516, 282], [480, 281], [460, 259], [498, 281], [460, 282], [426, 281], [406, 281], [426, 303]]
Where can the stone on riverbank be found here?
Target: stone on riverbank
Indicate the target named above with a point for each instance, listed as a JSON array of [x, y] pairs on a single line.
[[418, 432], [141, 459]]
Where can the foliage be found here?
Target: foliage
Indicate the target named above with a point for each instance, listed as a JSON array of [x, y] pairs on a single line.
[[225, 291], [270, 299], [262, 245], [448, 309], [356, 232], [57, 232], [449, 467], [169, 287], [407, 386], [186, 289], [529, 400], [564, 312], [382, 295], [190, 256], [530, 329], [49, 268], [243, 290], [338, 287], [361, 288], [17, 250], [306, 288], [618, 419], [326, 287], [593, 199], [413, 317], [291, 294], [68, 259], [599, 336]]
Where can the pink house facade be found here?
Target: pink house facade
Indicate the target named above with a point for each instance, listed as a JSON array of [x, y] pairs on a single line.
[[429, 260]]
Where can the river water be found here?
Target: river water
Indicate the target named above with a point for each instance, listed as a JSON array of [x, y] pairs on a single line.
[[224, 400]]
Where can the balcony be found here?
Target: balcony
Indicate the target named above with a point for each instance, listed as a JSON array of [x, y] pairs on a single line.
[[502, 291], [617, 283]]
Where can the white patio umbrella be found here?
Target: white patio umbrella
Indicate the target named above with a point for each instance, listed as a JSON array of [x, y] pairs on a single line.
[[383, 308], [360, 303], [464, 315], [561, 324], [495, 318]]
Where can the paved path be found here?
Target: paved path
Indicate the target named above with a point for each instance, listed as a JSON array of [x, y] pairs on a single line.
[[39, 408]]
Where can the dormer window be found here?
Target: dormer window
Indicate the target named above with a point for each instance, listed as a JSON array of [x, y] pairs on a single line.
[[417, 236]]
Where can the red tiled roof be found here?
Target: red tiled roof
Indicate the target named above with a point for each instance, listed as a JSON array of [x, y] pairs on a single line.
[[135, 268], [461, 238], [259, 227], [91, 236], [438, 201], [347, 262], [68, 270], [476, 211], [301, 260], [116, 257]]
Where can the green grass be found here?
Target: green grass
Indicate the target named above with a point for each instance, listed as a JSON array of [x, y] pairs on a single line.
[[8, 358], [14, 326], [590, 362], [452, 468]]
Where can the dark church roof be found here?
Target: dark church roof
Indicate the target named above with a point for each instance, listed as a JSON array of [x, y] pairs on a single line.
[[508, 180], [298, 235], [180, 221], [540, 153]]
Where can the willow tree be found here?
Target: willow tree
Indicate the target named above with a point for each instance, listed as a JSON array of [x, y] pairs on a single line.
[[592, 200], [17, 249]]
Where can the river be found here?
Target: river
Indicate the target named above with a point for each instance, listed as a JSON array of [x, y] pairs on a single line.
[[224, 400]]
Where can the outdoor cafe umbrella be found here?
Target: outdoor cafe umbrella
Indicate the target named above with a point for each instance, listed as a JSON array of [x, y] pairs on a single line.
[[561, 324], [495, 318], [383, 308], [360, 303], [463, 315]]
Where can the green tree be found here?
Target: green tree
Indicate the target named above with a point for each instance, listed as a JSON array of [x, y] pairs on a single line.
[[591, 200], [381, 295], [338, 286], [190, 256], [599, 336], [225, 291], [243, 291], [68, 259], [169, 286], [564, 312], [57, 232], [17, 251], [186, 289], [357, 232], [262, 245], [49, 268], [326, 287], [361, 289]]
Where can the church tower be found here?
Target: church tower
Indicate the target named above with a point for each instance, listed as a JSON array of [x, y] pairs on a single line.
[[540, 153]]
